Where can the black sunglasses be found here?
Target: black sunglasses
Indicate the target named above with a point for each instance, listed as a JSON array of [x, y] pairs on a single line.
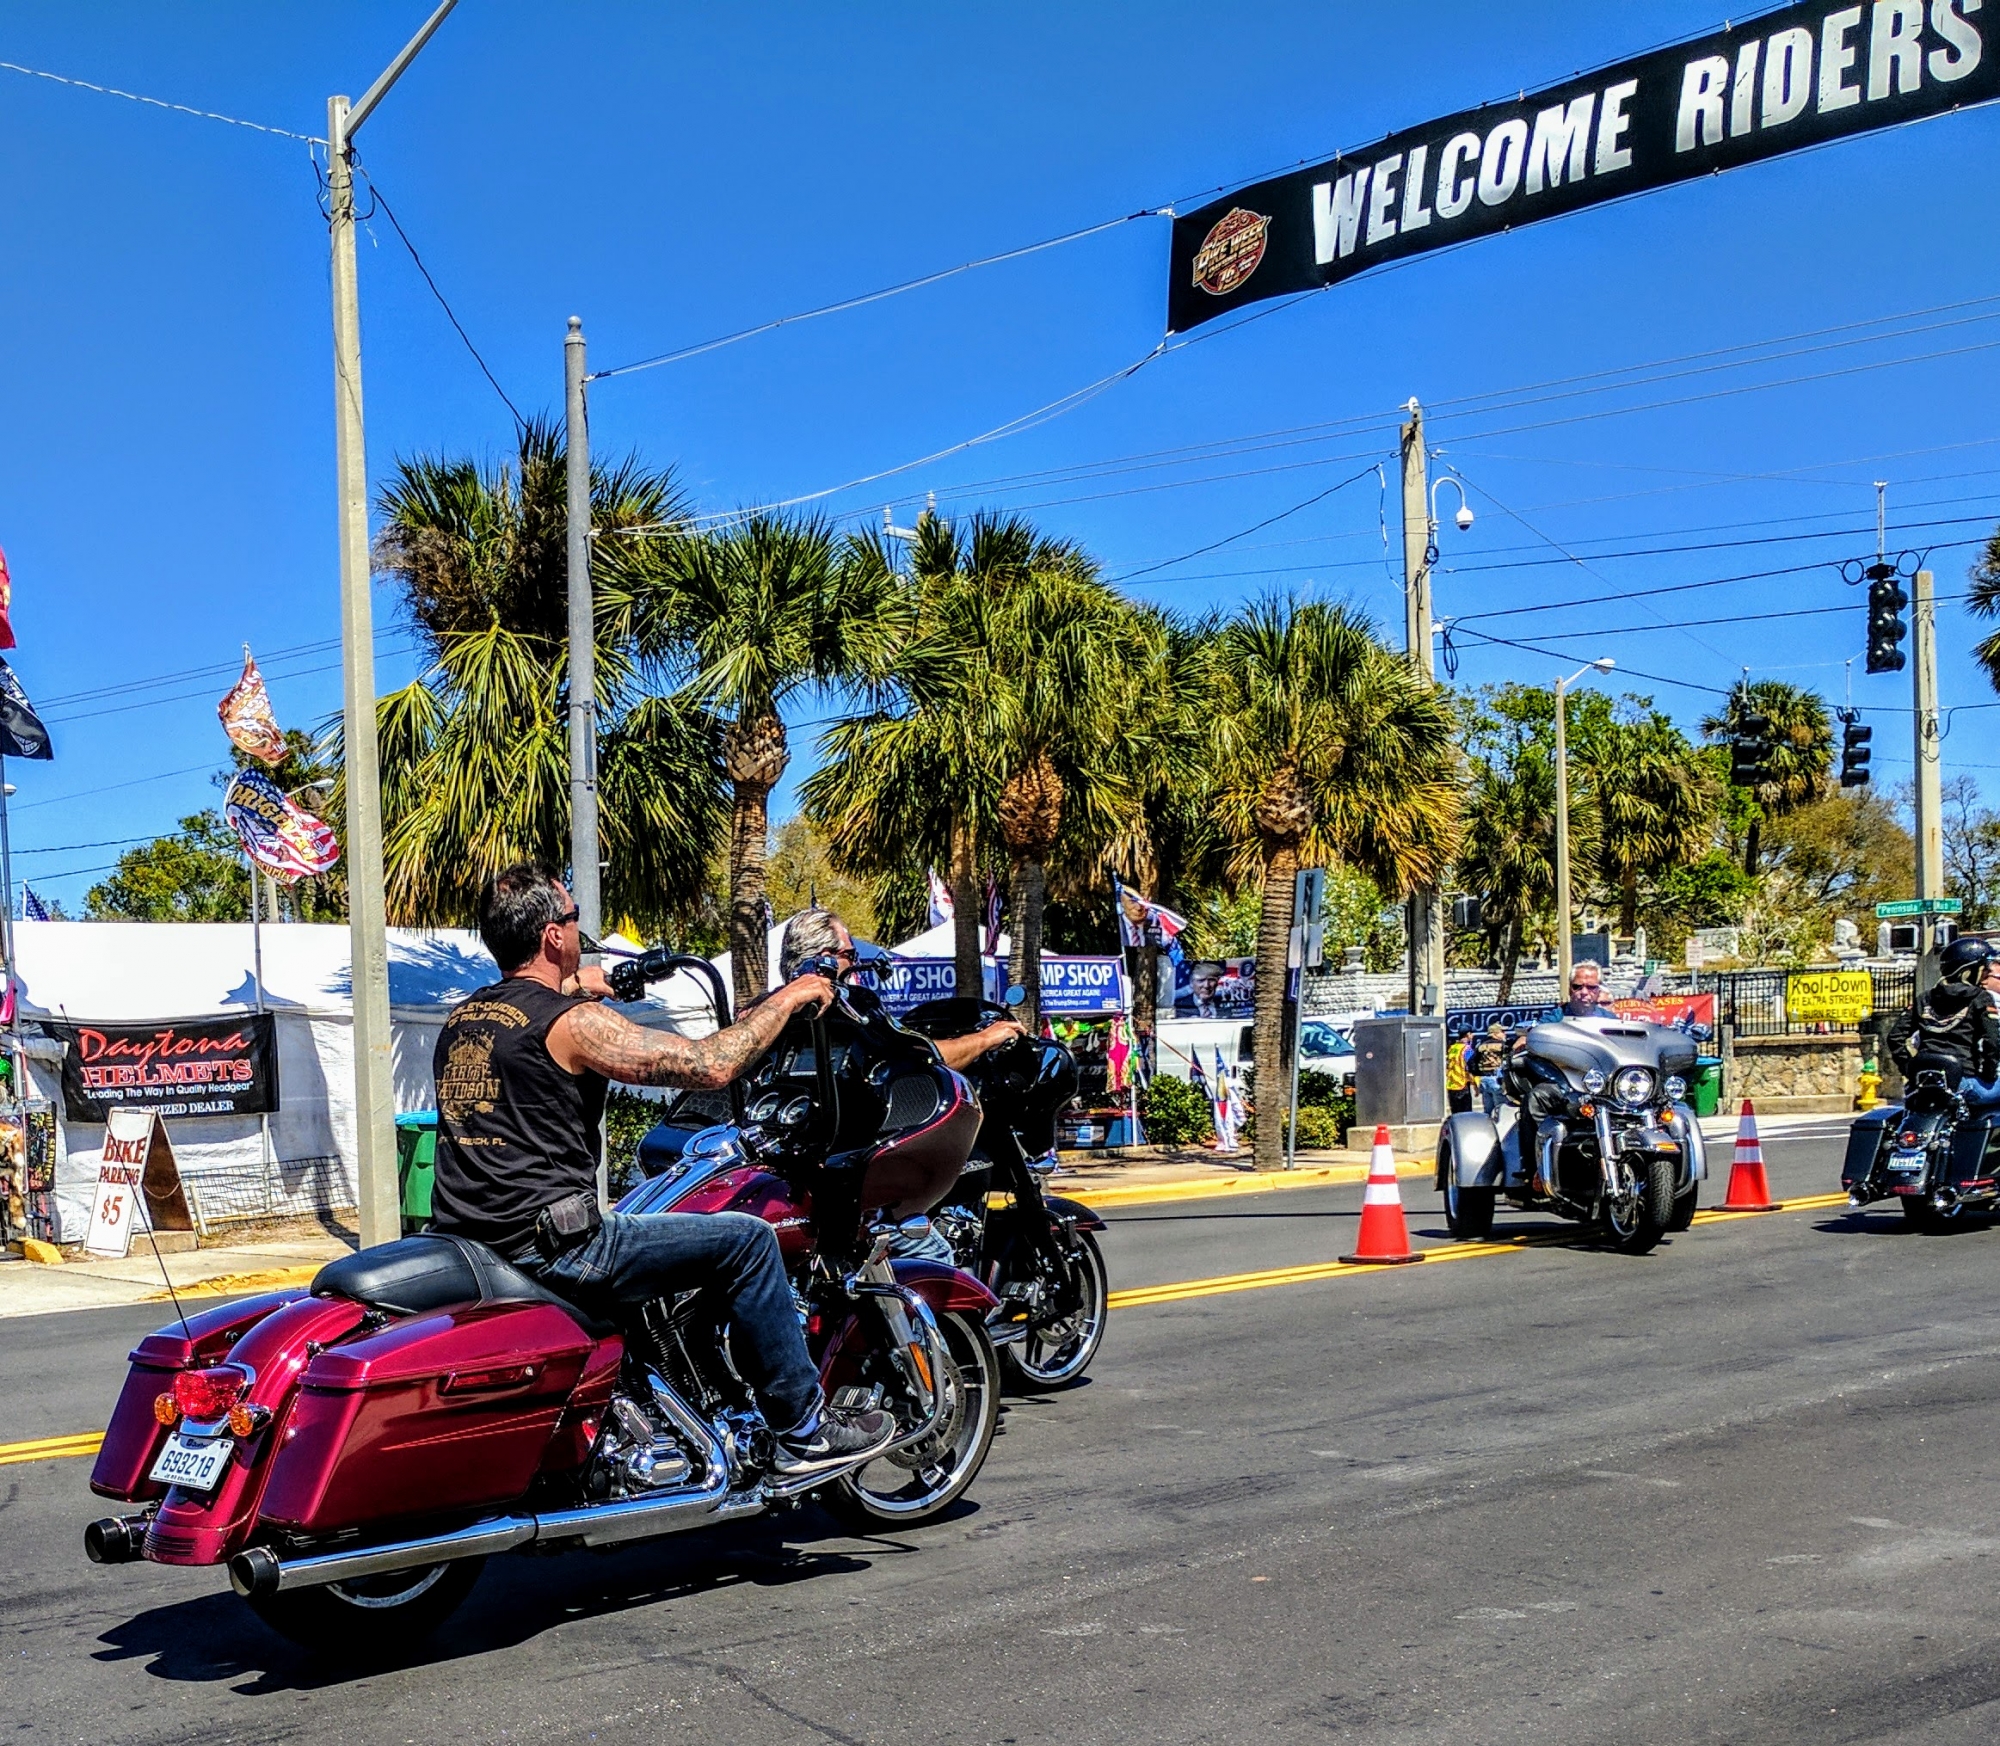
[[563, 921]]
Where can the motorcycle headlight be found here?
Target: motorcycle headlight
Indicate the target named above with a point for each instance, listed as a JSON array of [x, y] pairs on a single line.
[[1676, 1088], [1633, 1085], [1593, 1080]]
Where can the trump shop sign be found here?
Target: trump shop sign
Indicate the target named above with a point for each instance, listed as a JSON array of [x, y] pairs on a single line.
[[1781, 82], [1081, 987]]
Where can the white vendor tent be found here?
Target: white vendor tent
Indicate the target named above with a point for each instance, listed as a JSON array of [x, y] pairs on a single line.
[[112, 972]]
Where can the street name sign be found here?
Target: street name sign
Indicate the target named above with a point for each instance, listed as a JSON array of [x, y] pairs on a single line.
[[1918, 906]]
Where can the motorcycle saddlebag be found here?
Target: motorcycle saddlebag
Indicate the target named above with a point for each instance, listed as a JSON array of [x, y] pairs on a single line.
[[1866, 1142], [1975, 1151], [448, 1411]]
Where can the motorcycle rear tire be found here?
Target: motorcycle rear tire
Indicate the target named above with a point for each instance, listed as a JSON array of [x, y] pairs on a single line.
[[1040, 1364], [378, 1616], [1919, 1214], [1468, 1212], [872, 1499]]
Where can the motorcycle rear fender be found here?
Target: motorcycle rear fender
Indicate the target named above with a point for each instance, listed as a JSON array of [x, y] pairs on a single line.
[[193, 1528], [1074, 1213], [945, 1288], [132, 1440], [1473, 1143]]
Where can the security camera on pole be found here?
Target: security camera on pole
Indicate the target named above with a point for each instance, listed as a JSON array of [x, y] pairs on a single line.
[[381, 1213]]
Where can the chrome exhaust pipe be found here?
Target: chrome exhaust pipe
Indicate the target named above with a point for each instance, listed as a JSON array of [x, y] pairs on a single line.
[[259, 1572]]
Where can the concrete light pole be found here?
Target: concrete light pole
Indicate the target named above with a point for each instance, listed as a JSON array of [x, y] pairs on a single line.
[[1603, 664], [584, 851], [380, 1204], [1930, 773]]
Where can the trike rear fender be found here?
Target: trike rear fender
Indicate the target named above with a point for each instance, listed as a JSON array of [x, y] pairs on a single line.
[[1470, 1144]]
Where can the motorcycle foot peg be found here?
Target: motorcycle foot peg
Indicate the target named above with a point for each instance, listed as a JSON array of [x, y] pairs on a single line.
[[115, 1539], [857, 1398]]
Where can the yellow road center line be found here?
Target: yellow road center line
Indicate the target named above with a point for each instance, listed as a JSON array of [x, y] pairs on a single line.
[[1136, 1297], [51, 1448]]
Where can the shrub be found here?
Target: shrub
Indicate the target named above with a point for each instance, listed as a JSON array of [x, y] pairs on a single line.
[[628, 1118], [1320, 1090], [1174, 1112]]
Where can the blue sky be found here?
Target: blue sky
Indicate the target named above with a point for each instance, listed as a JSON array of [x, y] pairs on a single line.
[[672, 174]]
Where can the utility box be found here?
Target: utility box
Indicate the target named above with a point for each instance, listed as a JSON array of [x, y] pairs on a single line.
[[1398, 1071]]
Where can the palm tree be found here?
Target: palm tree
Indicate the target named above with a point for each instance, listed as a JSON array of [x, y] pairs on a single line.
[[1327, 748], [1509, 852], [474, 752], [1656, 800], [999, 741], [753, 616], [1801, 743], [1983, 600]]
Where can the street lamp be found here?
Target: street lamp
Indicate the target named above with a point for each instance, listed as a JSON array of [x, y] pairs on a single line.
[[374, 1084], [1603, 664]]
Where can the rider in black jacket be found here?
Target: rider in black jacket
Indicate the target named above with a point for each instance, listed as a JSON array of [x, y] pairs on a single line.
[[1955, 1028]]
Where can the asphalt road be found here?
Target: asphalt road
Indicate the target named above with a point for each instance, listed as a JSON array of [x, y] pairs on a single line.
[[1739, 1490]]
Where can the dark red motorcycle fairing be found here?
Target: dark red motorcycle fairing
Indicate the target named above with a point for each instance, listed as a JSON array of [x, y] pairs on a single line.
[[449, 1411], [763, 1194], [193, 1528], [132, 1439]]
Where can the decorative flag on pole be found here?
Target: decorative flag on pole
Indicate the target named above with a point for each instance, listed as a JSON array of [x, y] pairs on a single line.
[[1118, 1055], [6, 605], [21, 732], [992, 916], [278, 834], [1228, 1110], [247, 716], [941, 904], [1135, 912], [32, 907]]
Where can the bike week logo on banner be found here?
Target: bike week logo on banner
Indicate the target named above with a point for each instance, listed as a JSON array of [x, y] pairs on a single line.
[[184, 1067], [280, 837], [1779, 83]]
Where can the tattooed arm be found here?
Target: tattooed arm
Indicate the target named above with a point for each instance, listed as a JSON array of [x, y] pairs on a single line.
[[596, 1040]]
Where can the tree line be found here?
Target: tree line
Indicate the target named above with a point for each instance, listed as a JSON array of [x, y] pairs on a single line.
[[988, 706]]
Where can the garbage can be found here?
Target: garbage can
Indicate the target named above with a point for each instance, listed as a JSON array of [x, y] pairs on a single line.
[[416, 1163], [1705, 1088]]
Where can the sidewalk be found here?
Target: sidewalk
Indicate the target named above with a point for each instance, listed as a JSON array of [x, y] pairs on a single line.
[[29, 1289]]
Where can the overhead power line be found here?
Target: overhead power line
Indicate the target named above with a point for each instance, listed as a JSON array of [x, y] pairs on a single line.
[[160, 103]]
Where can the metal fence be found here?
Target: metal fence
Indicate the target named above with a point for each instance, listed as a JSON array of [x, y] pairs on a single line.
[[226, 1194], [1752, 1002]]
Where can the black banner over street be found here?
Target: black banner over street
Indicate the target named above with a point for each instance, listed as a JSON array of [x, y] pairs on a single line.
[[177, 1067], [1779, 83]]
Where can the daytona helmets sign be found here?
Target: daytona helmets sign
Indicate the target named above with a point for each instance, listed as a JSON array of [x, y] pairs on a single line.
[[1779, 83]]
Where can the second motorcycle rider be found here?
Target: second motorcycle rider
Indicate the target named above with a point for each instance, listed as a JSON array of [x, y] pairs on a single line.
[[522, 1068]]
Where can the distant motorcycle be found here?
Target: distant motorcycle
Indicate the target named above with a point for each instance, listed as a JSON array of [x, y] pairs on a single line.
[[1931, 1154], [1036, 1252], [1600, 1135]]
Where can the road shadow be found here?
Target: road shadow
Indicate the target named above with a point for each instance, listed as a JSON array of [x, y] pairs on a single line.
[[1886, 1219], [217, 1640]]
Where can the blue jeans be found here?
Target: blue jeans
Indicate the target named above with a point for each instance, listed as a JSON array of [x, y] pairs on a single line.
[[1491, 1097], [636, 1257]]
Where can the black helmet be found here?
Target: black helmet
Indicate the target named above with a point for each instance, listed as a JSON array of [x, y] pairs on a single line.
[[1964, 960]]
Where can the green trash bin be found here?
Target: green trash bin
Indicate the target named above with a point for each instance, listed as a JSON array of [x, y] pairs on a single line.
[[1705, 1088], [416, 1164]]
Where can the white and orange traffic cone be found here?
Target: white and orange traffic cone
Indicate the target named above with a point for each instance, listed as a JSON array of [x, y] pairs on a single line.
[[1749, 1191], [1384, 1239]]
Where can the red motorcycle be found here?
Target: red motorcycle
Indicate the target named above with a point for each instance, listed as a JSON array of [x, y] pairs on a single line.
[[354, 1453]]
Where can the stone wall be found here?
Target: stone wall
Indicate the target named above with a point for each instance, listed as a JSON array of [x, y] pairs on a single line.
[[1788, 1072]]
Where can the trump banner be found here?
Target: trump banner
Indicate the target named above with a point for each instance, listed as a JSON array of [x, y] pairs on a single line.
[[1782, 81]]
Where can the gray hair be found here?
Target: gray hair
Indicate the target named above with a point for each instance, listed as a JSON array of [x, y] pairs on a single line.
[[810, 934]]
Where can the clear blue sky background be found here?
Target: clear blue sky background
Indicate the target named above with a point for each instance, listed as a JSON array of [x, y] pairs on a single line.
[[673, 173]]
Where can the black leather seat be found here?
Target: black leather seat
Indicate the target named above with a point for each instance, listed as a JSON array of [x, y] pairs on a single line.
[[434, 1271]]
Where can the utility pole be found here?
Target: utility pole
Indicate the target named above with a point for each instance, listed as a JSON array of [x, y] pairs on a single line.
[[1564, 944], [1426, 908], [376, 1188], [584, 851], [1930, 786]]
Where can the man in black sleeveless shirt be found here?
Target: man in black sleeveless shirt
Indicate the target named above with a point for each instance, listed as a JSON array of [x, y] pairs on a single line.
[[522, 1069]]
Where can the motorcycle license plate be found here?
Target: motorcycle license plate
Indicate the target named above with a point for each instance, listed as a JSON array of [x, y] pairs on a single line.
[[193, 1463], [1908, 1163]]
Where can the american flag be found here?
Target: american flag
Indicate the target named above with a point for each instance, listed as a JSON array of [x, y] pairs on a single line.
[[32, 907]]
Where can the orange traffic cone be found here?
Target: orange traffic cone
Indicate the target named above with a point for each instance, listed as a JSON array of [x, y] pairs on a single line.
[[1384, 1241], [1748, 1190]]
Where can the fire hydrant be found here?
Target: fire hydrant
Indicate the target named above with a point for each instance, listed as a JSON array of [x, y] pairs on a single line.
[[1870, 1079]]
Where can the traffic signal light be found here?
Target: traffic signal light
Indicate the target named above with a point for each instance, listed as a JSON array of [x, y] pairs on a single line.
[[1854, 752], [1886, 600], [1750, 751]]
